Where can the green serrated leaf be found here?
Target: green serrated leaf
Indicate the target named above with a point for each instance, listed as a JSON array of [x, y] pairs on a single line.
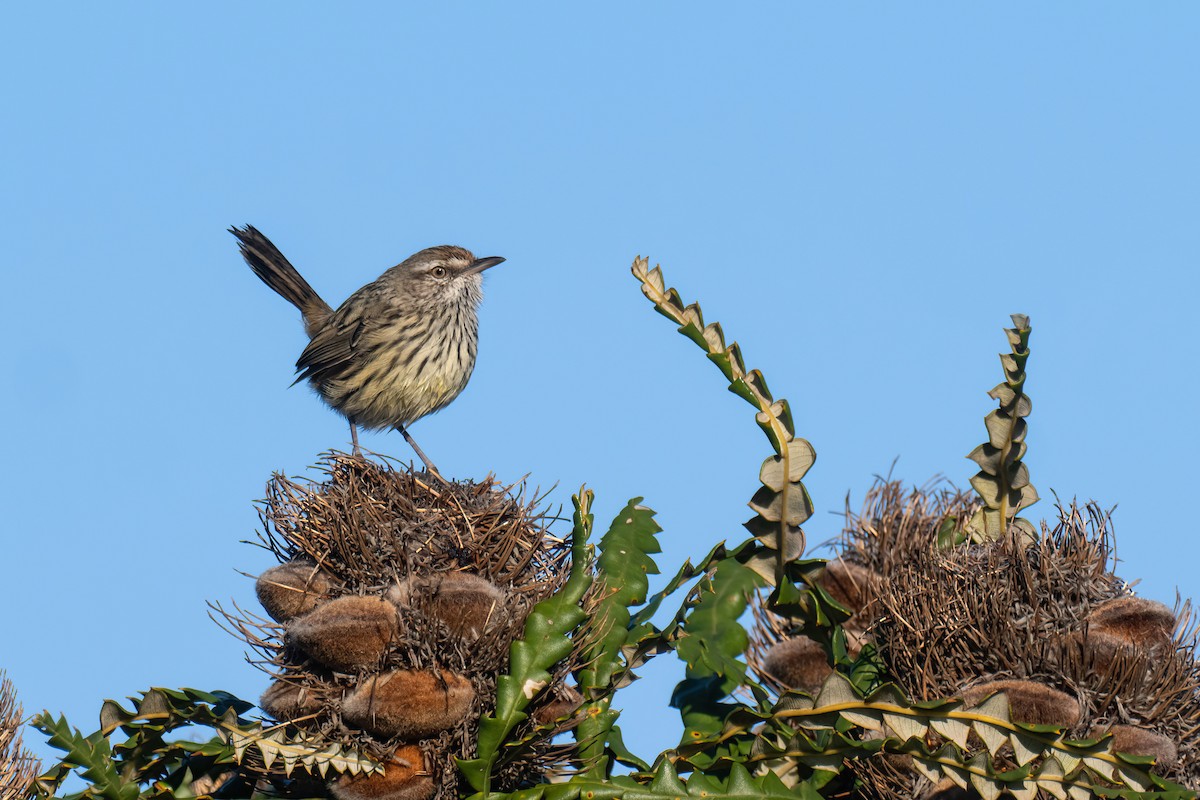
[[546, 640]]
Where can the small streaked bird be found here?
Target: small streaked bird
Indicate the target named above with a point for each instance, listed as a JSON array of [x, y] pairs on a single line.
[[399, 348]]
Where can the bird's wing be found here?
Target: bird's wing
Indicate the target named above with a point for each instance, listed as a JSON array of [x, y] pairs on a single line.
[[334, 346]]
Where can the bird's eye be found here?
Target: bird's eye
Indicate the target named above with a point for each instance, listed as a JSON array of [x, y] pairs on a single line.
[[438, 272]]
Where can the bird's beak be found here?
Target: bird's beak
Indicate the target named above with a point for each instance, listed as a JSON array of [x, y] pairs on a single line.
[[480, 264]]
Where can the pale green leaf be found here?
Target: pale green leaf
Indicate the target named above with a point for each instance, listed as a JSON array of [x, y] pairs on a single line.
[[1020, 477], [1000, 428], [1025, 748], [952, 729], [837, 690], [930, 770], [800, 459], [1025, 790], [1028, 497], [904, 726], [987, 457], [988, 488], [993, 738], [769, 533], [995, 707], [793, 506], [987, 788], [715, 337], [957, 774]]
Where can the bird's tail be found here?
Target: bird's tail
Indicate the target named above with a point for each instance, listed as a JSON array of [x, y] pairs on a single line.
[[277, 272]]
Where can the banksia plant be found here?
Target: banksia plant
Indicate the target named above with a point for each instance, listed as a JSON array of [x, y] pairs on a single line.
[[392, 611], [428, 639], [18, 766], [951, 607]]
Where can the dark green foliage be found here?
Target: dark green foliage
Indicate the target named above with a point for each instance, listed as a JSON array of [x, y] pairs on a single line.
[[545, 642], [621, 583], [146, 763]]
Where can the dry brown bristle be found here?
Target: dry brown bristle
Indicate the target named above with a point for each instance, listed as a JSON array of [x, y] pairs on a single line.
[[371, 525], [347, 634], [404, 778], [409, 704]]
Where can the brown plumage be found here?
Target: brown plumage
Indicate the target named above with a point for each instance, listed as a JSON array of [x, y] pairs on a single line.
[[399, 348]]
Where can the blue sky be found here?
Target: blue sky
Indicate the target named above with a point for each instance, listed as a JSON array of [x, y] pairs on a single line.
[[861, 195]]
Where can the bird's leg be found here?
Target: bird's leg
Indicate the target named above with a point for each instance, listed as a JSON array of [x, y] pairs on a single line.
[[354, 438], [416, 449]]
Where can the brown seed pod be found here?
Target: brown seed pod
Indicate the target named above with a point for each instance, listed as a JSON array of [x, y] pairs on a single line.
[[798, 663], [289, 700], [850, 584], [1134, 619], [293, 589], [348, 633], [1029, 702], [1140, 742], [403, 778], [1099, 649], [467, 604], [567, 700], [406, 703]]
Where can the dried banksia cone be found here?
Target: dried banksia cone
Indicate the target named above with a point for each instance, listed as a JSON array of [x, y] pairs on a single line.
[[1134, 619], [293, 589], [1141, 742], [289, 700], [348, 633], [850, 584], [369, 667], [1029, 702], [565, 703], [1100, 648], [404, 778], [467, 604], [798, 663], [408, 703]]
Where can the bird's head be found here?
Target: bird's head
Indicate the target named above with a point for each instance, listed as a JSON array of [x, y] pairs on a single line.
[[445, 274]]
